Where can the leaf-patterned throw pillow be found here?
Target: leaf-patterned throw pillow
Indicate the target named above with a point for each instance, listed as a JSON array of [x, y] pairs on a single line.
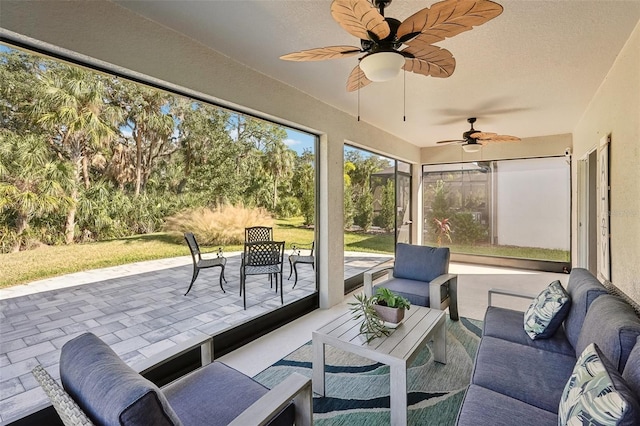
[[547, 311], [596, 394]]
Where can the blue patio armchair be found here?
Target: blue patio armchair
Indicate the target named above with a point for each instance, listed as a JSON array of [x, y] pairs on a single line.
[[421, 275], [99, 388]]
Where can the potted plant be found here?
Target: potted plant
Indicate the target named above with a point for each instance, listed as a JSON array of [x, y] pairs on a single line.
[[371, 326], [379, 313], [390, 306]]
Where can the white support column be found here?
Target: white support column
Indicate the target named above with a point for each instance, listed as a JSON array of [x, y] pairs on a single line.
[[331, 222]]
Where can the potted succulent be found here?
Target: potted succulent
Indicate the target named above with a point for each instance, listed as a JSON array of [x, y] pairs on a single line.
[[374, 324], [390, 306]]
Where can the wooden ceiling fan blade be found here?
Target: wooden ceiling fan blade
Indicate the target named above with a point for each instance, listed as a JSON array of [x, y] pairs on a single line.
[[504, 138], [448, 18], [322, 53], [430, 60], [483, 135], [493, 137], [451, 141], [357, 79], [359, 17]]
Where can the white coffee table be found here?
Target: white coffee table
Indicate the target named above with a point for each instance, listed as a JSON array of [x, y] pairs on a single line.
[[396, 350]]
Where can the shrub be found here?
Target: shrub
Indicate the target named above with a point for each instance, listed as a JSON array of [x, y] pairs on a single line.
[[220, 226], [466, 230], [386, 219], [363, 216], [288, 207]]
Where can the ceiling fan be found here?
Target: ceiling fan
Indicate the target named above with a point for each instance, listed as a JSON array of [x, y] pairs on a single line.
[[472, 140], [382, 39]]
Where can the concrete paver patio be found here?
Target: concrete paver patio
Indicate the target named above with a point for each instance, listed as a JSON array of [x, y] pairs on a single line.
[[139, 309]]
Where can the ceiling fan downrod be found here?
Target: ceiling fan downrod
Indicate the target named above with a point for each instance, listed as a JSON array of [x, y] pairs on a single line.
[[381, 4]]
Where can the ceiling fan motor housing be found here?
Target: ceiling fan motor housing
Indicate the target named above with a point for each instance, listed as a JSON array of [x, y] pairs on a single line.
[[467, 135]]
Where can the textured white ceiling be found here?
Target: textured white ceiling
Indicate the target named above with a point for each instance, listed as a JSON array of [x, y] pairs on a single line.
[[529, 72]]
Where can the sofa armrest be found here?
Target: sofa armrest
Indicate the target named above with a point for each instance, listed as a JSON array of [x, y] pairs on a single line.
[[296, 387], [205, 342], [373, 274], [511, 293]]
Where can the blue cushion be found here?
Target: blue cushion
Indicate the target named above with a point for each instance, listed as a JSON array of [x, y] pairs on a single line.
[[631, 372], [507, 324], [108, 390], [420, 263], [522, 372], [217, 394], [614, 326], [596, 394], [583, 288], [483, 406], [547, 311], [416, 292]]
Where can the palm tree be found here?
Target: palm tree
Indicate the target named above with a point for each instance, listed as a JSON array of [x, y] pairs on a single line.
[[278, 162], [31, 181], [147, 117], [73, 108]]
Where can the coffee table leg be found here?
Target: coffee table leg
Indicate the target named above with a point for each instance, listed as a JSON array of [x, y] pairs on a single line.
[[317, 377], [398, 395], [440, 343]]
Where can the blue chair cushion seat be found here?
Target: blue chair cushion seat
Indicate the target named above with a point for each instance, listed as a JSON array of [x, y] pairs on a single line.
[[217, 394], [483, 406], [416, 292], [506, 324], [530, 375]]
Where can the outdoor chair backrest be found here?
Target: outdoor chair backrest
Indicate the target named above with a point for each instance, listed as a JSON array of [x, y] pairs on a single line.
[[298, 251], [193, 245], [263, 253], [420, 263], [258, 233]]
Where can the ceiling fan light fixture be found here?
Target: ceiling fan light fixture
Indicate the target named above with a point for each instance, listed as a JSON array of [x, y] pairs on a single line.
[[473, 147], [382, 66]]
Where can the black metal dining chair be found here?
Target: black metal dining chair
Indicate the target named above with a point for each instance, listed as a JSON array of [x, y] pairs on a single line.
[[297, 257], [262, 258], [199, 263]]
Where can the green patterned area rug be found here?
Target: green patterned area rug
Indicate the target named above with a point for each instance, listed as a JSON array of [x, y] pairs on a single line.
[[358, 388]]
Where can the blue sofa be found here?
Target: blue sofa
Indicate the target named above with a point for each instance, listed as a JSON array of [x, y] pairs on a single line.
[[520, 381]]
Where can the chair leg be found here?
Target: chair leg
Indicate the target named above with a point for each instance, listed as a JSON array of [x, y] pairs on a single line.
[[281, 289], [243, 291], [193, 279], [290, 269], [221, 277], [295, 271]]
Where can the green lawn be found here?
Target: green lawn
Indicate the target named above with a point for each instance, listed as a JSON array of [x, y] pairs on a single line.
[[51, 261]]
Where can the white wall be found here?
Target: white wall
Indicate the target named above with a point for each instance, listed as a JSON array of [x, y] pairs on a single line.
[[533, 203], [615, 110]]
